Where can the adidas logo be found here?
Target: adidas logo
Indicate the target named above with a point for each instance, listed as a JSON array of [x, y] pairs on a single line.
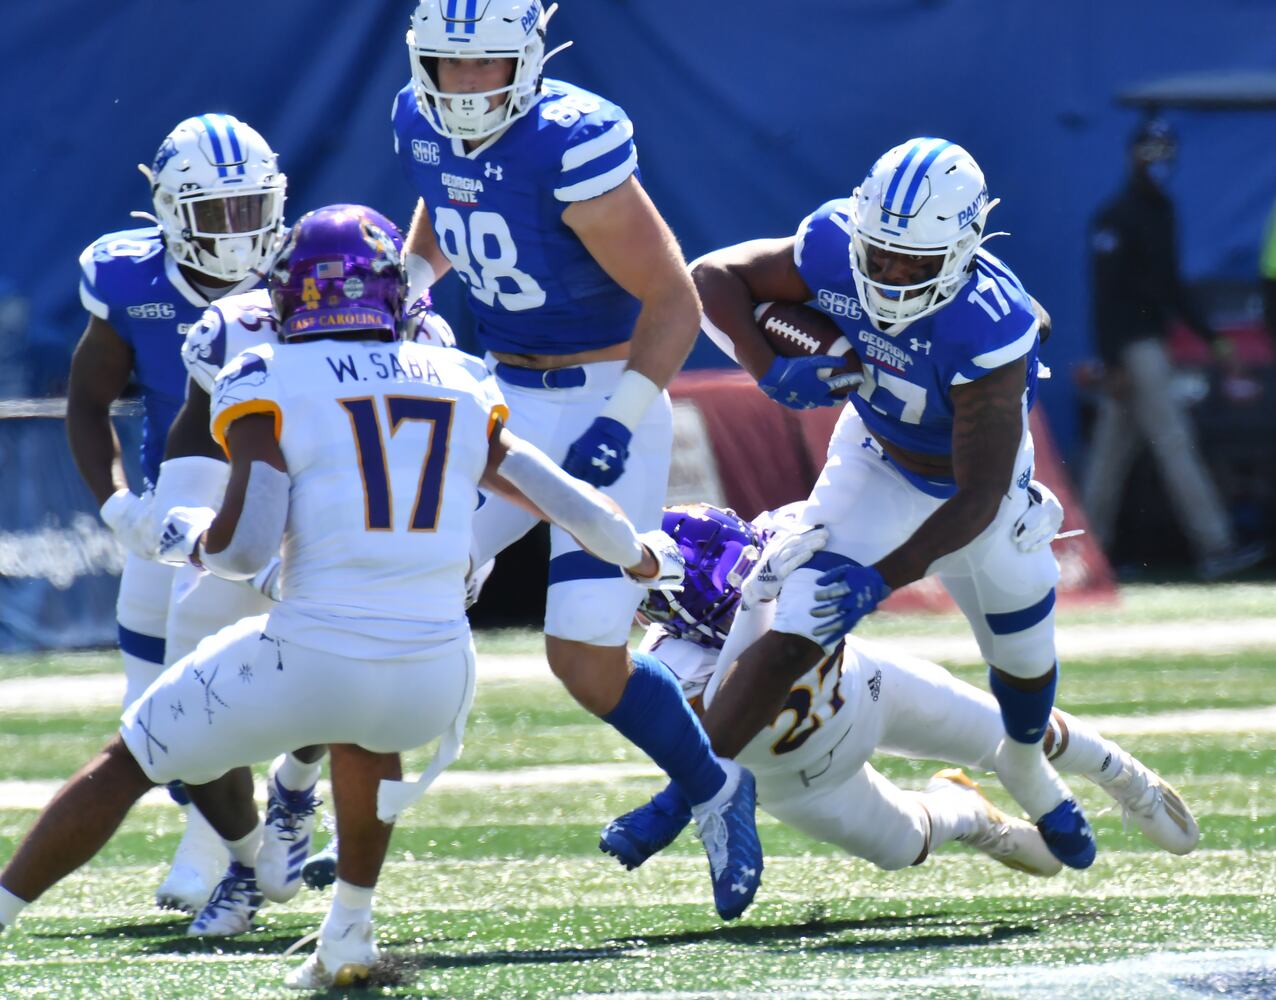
[[875, 685]]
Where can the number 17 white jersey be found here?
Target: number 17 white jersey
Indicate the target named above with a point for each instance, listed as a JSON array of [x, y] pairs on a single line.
[[385, 443]]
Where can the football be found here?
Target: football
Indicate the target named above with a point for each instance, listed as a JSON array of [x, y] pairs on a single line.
[[793, 330]]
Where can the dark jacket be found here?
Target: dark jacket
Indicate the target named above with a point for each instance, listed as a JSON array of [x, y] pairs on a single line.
[[1137, 288]]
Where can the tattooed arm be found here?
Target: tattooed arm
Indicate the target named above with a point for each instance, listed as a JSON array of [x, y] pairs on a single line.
[[987, 427]]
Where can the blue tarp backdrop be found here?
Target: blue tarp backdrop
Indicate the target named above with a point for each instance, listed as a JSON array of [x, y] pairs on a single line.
[[748, 114]]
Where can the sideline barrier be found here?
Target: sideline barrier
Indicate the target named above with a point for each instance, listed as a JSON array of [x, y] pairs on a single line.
[[59, 565], [735, 447]]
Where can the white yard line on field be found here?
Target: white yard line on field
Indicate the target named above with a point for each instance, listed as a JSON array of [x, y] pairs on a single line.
[[34, 794], [85, 692]]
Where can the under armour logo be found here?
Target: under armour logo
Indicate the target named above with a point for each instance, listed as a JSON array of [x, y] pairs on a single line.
[[494, 170], [919, 345], [746, 876], [601, 459]]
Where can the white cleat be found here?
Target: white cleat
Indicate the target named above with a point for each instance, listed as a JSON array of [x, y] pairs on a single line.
[[1153, 805], [232, 906], [1013, 842], [343, 957], [198, 863], [285, 842]]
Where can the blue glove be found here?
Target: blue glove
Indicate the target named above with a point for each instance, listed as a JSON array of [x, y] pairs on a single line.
[[846, 595], [797, 382], [598, 456]]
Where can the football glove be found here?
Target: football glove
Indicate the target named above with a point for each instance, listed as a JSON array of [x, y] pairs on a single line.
[[130, 518], [1038, 525], [180, 532], [672, 564], [846, 595], [807, 382], [598, 456], [785, 552]]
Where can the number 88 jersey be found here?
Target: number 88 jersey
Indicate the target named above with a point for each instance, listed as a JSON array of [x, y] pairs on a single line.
[[385, 443], [497, 216], [908, 370]]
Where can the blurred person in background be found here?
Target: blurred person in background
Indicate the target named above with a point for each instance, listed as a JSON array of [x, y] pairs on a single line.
[[1267, 274], [1138, 294]]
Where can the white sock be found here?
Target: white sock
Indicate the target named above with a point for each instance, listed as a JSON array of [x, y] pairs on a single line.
[[733, 771], [244, 850], [952, 815], [1077, 748], [1029, 778], [10, 907], [351, 904], [296, 775]]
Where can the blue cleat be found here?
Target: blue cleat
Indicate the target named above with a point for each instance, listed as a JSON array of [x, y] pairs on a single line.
[[727, 828], [320, 869], [1068, 835], [645, 831], [232, 906]]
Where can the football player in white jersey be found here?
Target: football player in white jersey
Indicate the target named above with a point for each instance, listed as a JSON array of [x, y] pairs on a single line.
[[530, 191], [218, 197], [812, 760], [362, 455], [929, 466]]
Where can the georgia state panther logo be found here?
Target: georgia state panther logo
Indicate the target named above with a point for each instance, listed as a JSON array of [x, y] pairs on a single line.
[[167, 150]]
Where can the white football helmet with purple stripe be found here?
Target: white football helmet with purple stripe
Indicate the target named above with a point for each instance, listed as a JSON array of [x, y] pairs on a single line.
[[219, 197], [926, 198]]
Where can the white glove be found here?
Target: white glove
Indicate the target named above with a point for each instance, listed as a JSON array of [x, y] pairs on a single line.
[[130, 518], [673, 566], [474, 580], [786, 551], [1038, 525], [266, 582], [180, 532]]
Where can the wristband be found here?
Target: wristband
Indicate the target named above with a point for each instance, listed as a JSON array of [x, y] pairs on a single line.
[[633, 395], [420, 274]]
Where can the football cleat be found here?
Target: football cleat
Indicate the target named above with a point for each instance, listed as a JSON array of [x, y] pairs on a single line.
[[1068, 835], [198, 862], [726, 825], [1003, 838], [232, 906], [1154, 806], [343, 957], [647, 830], [290, 819], [320, 870]]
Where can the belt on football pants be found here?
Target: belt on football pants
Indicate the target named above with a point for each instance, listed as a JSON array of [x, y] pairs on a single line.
[[541, 378]]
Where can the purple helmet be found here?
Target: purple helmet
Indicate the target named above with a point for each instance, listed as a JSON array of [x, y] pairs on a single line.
[[720, 549], [339, 269]]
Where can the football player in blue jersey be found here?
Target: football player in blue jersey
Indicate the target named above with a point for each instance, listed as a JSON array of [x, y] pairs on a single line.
[[529, 190], [218, 197], [929, 467]]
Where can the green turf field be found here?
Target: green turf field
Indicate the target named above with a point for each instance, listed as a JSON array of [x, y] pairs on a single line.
[[498, 890]]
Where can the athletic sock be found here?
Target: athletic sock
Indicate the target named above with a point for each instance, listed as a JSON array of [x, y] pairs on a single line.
[[351, 904], [10, 907], [177, 792], [653, 715], [296, 775], [952, 815], [244, 850], [1076, 747]]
